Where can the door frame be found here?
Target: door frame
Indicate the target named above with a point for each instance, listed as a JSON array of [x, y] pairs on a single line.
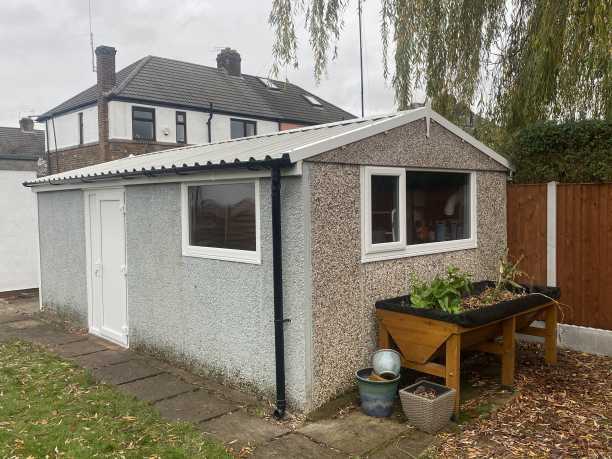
[[87, 195]]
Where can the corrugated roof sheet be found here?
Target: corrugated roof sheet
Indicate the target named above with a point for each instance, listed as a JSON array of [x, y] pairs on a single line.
[[245, 150], [289, 146], [160, 80]]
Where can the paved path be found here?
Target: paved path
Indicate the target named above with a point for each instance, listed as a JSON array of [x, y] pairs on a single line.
[[225, 414]]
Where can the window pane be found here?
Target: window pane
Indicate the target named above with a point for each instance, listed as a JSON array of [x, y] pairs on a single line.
[[180, 133], [250, 129], [237, 128], [180, 118], [385, 206], [437, 207], [222, 216], [143, 130], [143, 114]]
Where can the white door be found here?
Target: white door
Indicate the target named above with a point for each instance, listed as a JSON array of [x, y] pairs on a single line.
[[107, 272]]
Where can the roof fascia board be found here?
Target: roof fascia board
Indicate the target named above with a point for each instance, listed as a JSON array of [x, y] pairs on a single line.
[[355, 135], [227, 174], [470, 139]]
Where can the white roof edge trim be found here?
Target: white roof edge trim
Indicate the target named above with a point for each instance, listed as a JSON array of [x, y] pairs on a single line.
[[357, 134], [471, 140]]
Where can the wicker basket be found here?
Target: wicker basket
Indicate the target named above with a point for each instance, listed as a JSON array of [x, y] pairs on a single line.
[[425, 414]]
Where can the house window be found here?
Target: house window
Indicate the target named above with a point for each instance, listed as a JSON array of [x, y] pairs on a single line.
[[242, 128], [181, 127], [143, 123], [221, 221], [416, 212], [313, 100], [81, 128]]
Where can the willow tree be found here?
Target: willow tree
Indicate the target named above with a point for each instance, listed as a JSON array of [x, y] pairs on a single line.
[[518, 61]]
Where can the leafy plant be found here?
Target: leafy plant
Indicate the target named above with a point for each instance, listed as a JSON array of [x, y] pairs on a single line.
[[442, 293]]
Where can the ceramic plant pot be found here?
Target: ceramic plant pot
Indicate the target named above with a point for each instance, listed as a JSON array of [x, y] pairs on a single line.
[[387, 363], [377, 396]]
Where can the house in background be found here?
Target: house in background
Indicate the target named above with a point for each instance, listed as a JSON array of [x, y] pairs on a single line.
[[20, 150], [157, 103]]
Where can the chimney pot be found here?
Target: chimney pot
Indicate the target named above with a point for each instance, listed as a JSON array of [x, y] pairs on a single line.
[[229, 60], [26, 124], [105, 68]]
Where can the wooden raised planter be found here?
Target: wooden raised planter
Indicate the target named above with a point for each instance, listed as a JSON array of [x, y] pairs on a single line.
[[423, 336]]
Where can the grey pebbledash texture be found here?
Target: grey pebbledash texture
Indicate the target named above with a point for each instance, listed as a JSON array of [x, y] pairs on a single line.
[[344, 290], [216, 314], [61, 223]]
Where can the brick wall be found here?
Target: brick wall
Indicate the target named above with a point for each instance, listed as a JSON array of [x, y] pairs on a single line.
[[87, 155]]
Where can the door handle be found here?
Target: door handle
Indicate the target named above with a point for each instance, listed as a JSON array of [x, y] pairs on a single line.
[[97, 268]]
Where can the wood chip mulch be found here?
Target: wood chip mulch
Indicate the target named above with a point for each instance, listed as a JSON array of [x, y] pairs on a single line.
[[559, 411]]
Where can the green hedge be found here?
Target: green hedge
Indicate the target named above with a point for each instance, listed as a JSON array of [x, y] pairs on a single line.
[[579, 151]]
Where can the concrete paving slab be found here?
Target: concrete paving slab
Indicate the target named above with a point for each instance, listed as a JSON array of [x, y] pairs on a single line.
[[79, 348], [103, 359], [7, 317], [125, 372], [194, 407], [157, 387], [295, 446], [24, 323], [238, 430], [48, 336], [355, 434], [412, 444]]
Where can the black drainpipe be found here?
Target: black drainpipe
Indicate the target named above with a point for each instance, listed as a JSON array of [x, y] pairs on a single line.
[[208, 123], [277, 270]]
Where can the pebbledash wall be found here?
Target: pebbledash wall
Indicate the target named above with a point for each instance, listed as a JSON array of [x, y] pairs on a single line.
[[216, 315], [63, 281], [344, 289]]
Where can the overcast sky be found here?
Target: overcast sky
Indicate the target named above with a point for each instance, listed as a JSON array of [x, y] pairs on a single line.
[[45, 55]]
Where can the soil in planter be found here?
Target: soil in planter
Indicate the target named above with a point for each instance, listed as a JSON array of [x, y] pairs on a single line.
[[488, 297], [425, 392]]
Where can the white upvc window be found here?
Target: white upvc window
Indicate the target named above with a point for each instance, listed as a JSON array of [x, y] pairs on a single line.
[[220, 220], [410, 212]]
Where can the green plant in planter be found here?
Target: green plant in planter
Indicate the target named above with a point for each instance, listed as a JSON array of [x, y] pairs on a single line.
[[442, 293]]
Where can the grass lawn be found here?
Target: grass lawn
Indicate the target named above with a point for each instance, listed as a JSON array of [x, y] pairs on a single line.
[[51, 408]]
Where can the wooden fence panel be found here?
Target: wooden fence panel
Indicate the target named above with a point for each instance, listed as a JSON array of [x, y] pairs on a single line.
[[527, 229], [584, 246], [584, 253]]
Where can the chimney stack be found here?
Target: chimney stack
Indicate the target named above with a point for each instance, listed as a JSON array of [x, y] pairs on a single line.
[[26, 124], [105, 68], [229, 60]]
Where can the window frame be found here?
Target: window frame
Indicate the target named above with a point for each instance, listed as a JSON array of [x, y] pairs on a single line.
[[391, 250], [244, 124], [81, 131], [144, 109], [183, 123], [216, 253]]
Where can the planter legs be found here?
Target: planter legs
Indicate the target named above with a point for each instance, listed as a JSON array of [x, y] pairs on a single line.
[[453, 368], [508, 351], [550, 335]]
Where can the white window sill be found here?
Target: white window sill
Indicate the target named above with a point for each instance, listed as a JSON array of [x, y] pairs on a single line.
[[211, 253], [420, 250]]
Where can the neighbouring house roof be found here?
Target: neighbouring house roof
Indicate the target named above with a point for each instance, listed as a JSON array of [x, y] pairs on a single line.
[[18, 144], [287, 147], [158, 80]]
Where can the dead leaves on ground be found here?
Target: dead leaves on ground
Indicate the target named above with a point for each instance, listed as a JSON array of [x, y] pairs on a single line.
[[560, 411]]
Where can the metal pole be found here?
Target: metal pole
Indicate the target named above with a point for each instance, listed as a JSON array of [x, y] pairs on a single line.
[[360, 57]]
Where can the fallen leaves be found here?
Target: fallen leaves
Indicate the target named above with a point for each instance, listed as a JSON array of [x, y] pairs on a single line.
[[560, 411]]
